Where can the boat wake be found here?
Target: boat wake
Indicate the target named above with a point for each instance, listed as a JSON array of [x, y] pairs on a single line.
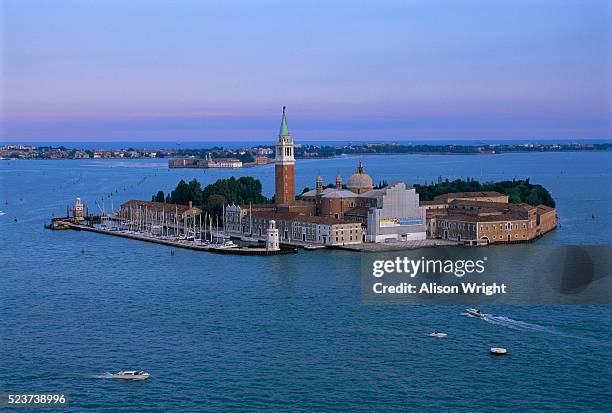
[[517, 324], [106, 375]]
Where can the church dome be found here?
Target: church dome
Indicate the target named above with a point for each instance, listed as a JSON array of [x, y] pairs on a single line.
[[360, 181]]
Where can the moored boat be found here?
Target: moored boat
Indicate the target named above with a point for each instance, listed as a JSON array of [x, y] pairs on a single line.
[[227, 244]]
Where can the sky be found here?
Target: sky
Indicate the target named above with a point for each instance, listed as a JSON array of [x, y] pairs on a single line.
[[119, 70]]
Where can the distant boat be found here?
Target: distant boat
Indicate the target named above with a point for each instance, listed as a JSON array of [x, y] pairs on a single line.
[[437, 334], [131, 375], [2, 213], [498, 351], [475, 312]]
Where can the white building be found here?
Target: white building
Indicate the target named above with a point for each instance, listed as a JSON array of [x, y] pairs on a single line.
[[293, 227], [272, 237], [397, 215]]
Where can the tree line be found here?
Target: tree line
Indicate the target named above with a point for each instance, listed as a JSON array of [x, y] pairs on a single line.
[[518, 191], [213, 197]]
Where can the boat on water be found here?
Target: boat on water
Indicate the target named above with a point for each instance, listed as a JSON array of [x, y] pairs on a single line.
[[131, 375], [227, 245], [498, 351], [437, 334], [311, 247], [475, 312], [2, 213]]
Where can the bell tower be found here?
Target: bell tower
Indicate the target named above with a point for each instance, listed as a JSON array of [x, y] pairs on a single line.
[[284, 166]]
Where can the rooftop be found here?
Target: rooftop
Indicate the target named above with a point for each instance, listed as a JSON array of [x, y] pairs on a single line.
[[296, 216], [479, 194], [484, 218], [159, 206]]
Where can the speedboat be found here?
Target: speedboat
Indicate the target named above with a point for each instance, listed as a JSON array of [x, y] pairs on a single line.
[[498, 351], [131, 375], [475, 312], [437, 334], [2, 213], [311, 247], [228, 244]]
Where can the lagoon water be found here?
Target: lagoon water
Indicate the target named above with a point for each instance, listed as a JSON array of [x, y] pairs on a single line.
[[281, 333]]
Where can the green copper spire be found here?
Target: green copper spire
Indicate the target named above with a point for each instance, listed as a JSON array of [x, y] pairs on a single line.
[[284, 129]]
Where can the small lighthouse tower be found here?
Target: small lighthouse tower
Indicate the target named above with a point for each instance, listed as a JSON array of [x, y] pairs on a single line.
[[78, 210], [272, 237]]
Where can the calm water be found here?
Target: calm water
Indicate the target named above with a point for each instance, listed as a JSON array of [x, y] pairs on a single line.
[[286, 333]]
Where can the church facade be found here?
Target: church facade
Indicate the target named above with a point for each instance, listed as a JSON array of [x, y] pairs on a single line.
[[338, 215]]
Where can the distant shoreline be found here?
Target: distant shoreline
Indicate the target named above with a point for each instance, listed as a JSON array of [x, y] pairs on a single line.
[[262, 154]]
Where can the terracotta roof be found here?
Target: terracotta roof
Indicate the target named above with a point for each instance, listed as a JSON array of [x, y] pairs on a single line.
[[296, 216], [468, 195], [492, 205], [484, 218], [432, 203], [543, 209], [258, 207], [357, 211], [158, 206]]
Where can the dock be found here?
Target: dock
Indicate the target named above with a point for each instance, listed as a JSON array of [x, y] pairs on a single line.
[[191, 245]]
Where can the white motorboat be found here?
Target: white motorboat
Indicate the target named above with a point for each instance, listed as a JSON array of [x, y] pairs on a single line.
[[437, 334], [227, 244], [311, 247], [498, 351], [131, 375], [2, 213], [475, 312]]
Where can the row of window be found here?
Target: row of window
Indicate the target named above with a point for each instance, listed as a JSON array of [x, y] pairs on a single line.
[[508, 226]]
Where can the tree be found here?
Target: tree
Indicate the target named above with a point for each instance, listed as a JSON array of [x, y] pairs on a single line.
[[214, 204], [159, 197], [181, 194]]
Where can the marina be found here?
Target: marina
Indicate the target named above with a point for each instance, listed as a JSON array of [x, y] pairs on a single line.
[[193, 244]]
